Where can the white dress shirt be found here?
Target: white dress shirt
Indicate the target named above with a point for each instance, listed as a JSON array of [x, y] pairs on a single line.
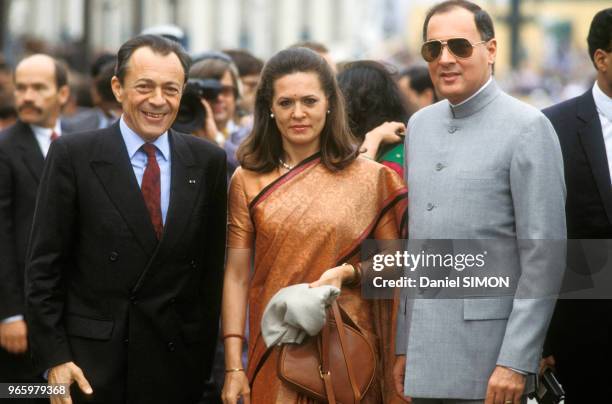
[[43, 136], [138, 158]]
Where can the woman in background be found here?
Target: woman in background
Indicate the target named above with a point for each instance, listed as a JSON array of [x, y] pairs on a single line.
[[376, 110]]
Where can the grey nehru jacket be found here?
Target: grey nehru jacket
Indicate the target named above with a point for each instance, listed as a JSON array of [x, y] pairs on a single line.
[[489, 168]]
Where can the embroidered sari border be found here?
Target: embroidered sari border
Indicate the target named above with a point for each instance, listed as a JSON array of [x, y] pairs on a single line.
[[271, 187], [389, 203]]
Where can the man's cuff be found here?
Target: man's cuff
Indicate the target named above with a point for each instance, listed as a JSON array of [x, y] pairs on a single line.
[[521, 372], [12, 319]]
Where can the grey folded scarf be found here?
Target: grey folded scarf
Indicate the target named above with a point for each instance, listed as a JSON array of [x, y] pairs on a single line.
[[295, 312]]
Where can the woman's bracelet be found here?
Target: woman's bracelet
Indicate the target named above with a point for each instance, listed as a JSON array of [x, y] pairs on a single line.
[[356, 275], [234, 370], [242, 337]]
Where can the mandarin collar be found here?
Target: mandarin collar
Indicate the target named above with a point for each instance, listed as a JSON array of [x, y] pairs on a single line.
[[483, 97]]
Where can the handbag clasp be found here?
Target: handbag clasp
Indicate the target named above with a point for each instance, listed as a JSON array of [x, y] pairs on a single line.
[[323, 374]]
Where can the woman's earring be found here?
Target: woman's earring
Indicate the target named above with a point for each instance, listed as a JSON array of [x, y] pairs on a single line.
[[272, 115], [328, 111]]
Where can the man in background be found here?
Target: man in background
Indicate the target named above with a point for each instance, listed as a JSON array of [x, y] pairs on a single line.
[[249, 69], [41, 89], [417, 87], [580, 334], [106, 110]]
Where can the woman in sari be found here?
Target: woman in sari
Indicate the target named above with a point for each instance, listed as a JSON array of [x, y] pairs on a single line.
[[299, 207]]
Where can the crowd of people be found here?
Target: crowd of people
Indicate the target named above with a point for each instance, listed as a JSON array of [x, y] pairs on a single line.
[[145, 237]]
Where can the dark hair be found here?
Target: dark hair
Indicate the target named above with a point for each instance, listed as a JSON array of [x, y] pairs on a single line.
[[261, 150], [245, 61], [482, 19], [101, 61], [371, 95], [61, 73], [213, 65], [600, 33], [157, 44], [420, 80], [102, 82], [312, 45], [80, 90]]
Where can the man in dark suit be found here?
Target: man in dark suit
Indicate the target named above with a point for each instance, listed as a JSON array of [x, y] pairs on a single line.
[[580, 334], [106, 109], [40, 92], [125, 263]]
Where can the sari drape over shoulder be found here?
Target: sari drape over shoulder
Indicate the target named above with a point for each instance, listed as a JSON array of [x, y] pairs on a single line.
[[301, 224]]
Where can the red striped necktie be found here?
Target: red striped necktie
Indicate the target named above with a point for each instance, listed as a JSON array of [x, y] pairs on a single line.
[[151, 190]]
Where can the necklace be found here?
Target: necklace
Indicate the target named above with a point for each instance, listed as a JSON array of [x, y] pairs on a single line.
[[285, 165]]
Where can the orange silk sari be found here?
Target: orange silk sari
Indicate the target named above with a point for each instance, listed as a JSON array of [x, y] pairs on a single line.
[[301, 224]]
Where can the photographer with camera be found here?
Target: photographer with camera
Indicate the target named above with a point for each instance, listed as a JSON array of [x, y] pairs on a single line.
[[195, 115], [222, 91]]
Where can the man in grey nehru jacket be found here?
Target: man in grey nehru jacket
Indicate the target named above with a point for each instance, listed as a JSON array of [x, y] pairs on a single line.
[[481, 165]]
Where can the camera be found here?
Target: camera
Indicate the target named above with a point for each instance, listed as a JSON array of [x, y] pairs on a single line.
[[192, 114], [209, 89]]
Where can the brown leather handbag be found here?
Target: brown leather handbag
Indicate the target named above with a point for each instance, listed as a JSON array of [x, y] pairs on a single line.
[[335, 366]]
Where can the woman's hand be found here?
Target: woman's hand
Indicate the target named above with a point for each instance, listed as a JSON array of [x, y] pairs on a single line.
[[335, 276], [387, 133], [236, 385]]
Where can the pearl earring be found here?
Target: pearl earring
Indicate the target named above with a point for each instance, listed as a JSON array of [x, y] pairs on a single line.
[[272, 115], [328, 112]]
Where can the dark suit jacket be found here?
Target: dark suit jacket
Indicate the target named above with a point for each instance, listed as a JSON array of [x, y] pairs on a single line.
[[84, 121], [589, 216], [139, 317], [21, 164]]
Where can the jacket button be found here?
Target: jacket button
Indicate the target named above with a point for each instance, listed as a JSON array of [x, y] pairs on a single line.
[[114, 255], [171, 346], [193, 264], [125, 341], [430, 206]]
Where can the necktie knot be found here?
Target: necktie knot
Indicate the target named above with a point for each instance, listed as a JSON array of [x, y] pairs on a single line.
[[54, 136], [149, 150]]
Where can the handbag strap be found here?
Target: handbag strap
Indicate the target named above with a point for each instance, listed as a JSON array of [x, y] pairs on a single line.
[[343, 345], [324, 370]]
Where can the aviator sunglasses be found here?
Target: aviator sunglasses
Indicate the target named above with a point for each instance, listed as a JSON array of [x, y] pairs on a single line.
[[460, 47]]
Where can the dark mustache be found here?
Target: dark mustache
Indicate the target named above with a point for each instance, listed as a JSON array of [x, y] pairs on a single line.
[[29, 105]]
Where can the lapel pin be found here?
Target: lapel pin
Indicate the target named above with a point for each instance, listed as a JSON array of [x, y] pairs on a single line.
[[192, 181]]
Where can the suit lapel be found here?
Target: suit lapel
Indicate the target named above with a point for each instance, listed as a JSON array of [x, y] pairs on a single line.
[[32, 155], [592, 140], [186, 180], [113, 168]]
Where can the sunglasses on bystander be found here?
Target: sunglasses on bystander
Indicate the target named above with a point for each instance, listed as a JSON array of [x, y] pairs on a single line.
[[460, 47]]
